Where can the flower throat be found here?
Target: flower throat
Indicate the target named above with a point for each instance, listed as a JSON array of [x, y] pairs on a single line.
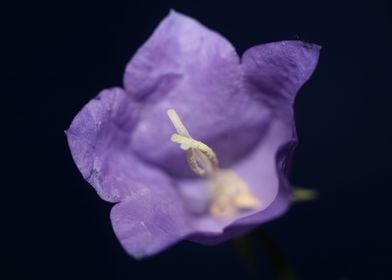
[[229, 193]]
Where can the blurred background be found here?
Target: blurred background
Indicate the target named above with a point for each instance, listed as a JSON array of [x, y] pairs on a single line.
[[62, 53]]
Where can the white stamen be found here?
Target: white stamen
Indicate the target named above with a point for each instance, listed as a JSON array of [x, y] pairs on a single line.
[[229, 192]]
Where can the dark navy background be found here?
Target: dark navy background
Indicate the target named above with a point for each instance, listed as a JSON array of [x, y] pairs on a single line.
[[62, 53]]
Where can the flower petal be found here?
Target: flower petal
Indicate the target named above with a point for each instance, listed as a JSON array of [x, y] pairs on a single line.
[[100, 129], [265, 171], [277, 70], [150, 215], [197, 72], [278, 206], [149, 221]]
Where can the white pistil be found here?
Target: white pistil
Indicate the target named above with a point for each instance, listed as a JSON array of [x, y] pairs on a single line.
[[229, 192], [176, 121]]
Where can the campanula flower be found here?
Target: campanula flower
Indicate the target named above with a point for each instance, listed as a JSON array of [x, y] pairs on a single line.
[[197, 143]]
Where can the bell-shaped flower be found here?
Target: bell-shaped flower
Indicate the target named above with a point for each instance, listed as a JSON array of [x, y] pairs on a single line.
[[197, 144]]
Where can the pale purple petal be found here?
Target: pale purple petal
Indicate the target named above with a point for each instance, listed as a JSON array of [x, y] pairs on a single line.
[[265, 169], [150, 215], [101, 128], [197, 72], [275, 209], [278, 70], [265, 172], [149, 220]]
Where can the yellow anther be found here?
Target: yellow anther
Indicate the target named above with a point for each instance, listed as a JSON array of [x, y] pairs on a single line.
[[230, 193]]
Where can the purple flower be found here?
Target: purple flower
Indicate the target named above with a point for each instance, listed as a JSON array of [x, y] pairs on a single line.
[[225, 179]]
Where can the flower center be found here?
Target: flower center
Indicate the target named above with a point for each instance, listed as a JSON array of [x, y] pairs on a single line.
[[229, 193]]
